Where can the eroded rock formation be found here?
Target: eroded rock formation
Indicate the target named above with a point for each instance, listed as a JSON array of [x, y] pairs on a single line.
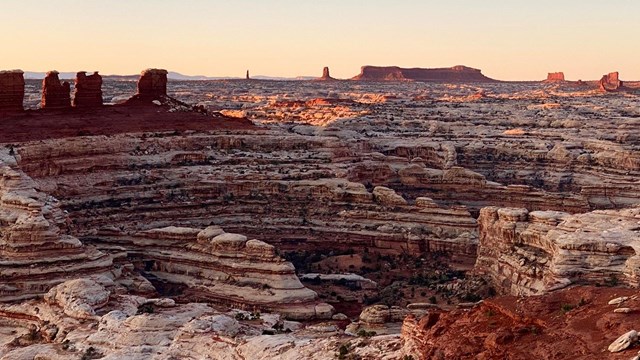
[[87, 90], [610, 82], [364, 172], [55, 94], [527, 253], [152, 84], [36, 250], [219, 267], [11, 91], [93, 318], [457, 73], [556, 76], [305, 201], [325, 74]]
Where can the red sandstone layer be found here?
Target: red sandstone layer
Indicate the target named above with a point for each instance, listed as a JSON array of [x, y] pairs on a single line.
[[109, 120], [576, 323]]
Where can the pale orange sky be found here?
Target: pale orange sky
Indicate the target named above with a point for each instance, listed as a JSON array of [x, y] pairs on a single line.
[[508, 40]]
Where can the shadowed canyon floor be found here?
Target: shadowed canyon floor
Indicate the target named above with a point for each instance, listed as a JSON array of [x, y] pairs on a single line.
[[323, 220]]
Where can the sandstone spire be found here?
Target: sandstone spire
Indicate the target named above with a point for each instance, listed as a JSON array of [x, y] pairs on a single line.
[[87, 90], [11, 90], [55, 94], [152, 84]]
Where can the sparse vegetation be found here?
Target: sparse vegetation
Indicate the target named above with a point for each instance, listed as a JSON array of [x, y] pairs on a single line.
[[91, 353], [365, 333], [248, 317], [567, 307], [145, 309]]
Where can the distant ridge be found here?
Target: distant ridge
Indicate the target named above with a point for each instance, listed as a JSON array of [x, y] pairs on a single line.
[[39, 75]]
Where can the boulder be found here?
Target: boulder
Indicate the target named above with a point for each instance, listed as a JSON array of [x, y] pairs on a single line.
[[624, 341], [388, 197], [618, 300], [79, 297]]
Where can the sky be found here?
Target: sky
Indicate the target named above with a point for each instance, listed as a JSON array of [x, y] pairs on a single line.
[[507, 39]]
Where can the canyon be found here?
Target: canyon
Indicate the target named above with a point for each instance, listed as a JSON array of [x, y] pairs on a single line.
[[318, 219]]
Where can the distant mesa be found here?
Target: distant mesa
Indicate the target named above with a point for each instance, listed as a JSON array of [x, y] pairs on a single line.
[[555, 77], [87, 90], [55, 94], [610, 82], [457, 73], [11, 90]]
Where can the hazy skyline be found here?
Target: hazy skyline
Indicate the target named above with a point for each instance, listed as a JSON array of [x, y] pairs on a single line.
[[508, 40]]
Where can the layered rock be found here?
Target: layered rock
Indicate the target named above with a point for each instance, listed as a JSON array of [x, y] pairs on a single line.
[[55, 94], [305, 207], [527, 253], [11, 91], [87, 90], [152, 84], [457, 73], [36, 251], [610, 82], [555, 76], [217, 266], [77, 322]]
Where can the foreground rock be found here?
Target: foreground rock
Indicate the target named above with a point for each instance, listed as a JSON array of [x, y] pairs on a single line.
[[526, 253], [134, 327], [624, 341], [574, 323]]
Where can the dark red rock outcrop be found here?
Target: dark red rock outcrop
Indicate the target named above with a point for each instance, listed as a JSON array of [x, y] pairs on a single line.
[[457, 73], [152, 84], [55, 94], [575, 323], [88, 90], [11, 90], [325, 74], [610, 82], [555, 76]]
